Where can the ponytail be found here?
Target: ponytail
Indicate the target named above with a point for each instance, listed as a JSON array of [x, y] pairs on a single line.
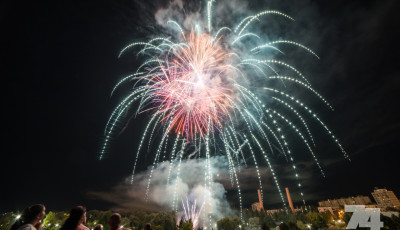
[[28, 215]]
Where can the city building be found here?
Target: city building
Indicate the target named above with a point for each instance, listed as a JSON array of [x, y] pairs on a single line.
[[332, 210], [258, 205], [272, 211], [385, 198], [341, 202]]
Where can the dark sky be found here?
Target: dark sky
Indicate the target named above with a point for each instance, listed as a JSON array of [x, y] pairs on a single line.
[[59, 64]]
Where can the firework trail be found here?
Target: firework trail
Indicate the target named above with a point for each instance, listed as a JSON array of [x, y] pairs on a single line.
[[192, 212], [216, 93]]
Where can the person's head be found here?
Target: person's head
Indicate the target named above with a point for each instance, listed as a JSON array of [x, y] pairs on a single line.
[[147, 226], [31, 215], [98, 227], [115, 221], [77, 216]]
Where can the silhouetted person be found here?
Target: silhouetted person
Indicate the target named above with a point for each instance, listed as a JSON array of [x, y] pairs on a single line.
[[76, 219], [114, 221], [147, 226], [98, 227], [31, 218]]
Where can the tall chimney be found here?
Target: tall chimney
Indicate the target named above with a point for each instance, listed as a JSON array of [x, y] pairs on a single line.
[[260, 200], [289, 200]]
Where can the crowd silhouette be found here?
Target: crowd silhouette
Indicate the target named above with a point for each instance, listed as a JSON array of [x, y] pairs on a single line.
[[32, 219]]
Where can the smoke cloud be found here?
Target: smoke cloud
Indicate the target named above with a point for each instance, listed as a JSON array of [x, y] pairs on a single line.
[[164, 184]]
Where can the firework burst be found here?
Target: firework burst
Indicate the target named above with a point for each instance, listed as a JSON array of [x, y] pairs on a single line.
[[193, 93], [191, 212], [201, 91]]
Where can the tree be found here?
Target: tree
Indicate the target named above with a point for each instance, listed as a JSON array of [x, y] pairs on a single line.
[[327, 216], [347, 217], [254, 221], [291, 218], [390, 223], [396, 220], [180, 224], [104, 220], [54, 220], [150, 217], [93, 217], [187, 225], [247, 214], [264, 226], [300, 224], [236, 222], [164, 219], [300, 216], [49, 222], [268, 221], [225, 224], [319, 223], [292, 226], [312, 217], [283, 226], [6, 220], [280, 216], [157, 227], [125, 221]]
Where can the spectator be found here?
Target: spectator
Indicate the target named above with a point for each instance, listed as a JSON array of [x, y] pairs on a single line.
[[147, 227], [31, 218], [76, 219], [98, 227], [115, 221]]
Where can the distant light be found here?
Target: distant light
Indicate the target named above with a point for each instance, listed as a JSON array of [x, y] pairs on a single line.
[[19, 216], [56, 225]]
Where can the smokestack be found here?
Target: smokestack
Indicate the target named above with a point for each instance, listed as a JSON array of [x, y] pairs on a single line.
[[260, 200], [289, 199]]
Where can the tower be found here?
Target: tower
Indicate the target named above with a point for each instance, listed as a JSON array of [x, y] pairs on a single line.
[[289, 200], [260, 200]]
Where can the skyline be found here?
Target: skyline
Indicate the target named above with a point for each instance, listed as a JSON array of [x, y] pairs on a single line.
[[58, 101]]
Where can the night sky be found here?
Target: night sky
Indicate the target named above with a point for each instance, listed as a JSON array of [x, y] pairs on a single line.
[[59, 65]]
